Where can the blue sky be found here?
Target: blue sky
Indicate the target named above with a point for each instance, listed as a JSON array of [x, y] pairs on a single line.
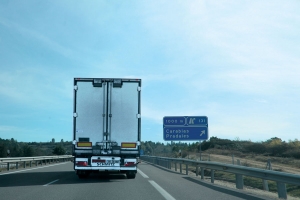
[[236, 62]]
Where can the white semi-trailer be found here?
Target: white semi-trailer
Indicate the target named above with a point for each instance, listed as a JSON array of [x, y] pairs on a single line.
[[106, 125]]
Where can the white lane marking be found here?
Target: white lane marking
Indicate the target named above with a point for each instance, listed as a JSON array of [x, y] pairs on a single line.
[[162, 191], [51, 182], [142, 173], [32, 169]]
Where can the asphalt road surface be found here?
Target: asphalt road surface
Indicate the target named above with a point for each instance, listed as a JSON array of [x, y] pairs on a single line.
[[59, 181]]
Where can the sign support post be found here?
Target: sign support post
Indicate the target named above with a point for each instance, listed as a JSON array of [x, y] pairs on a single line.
[[200, 151]]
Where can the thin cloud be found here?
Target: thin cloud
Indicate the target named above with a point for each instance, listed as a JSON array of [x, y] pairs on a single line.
[[41, 38]]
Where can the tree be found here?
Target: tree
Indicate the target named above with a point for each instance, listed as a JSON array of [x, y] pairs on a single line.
[[59, 150], [27, 151]]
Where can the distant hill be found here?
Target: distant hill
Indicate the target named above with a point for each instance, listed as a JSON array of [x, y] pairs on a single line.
[[272, 147]]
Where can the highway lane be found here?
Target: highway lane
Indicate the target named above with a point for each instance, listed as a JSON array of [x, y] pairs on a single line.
[[60, 182], [182, 186], [32, 184]]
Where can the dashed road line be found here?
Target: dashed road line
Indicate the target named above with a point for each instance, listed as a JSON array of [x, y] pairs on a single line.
[[142, 173], [163, 192], [51, 182]]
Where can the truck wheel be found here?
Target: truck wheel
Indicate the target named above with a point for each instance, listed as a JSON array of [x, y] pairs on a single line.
[[130, 175], [83, 174]]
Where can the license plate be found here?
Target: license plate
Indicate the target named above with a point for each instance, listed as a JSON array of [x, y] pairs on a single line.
[[105, 161], [109, 163]]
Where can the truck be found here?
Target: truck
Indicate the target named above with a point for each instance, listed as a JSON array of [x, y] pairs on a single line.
[[106, 126]]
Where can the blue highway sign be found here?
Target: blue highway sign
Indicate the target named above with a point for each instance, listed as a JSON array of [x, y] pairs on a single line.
[[174, 121], [178, 128], [185, 133], [196, 121]]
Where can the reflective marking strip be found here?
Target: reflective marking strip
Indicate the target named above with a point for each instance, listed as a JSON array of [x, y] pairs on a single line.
[[128, 145], [84, 144], [142, 173], [51, 182], [161, 191]]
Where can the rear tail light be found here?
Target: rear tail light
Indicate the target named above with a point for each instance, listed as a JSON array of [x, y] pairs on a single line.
[[82, 163], [127, 164]]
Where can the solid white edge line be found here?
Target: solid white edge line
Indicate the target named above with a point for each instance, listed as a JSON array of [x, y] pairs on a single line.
[[51, 182], [142, 173], [161, 191], [32, 168]]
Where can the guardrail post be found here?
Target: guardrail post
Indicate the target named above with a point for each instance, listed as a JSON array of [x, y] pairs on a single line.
[[239, 179], [197, 170], [212, 178], [265, 185], [265, 182], [17, 165], [24, 163], [202, 172], [281, 188], [30, 163], [180, 165], [8, 166], [175, 166], [187, 169]]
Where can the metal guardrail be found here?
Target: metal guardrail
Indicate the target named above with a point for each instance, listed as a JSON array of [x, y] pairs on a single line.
[[281, 178], [29, 160]]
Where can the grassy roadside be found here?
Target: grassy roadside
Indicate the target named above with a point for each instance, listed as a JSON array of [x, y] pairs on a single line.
[[289, 165], [257, 183]]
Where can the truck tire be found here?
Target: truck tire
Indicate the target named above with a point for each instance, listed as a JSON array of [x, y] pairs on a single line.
[[130, 175], [83, 174]]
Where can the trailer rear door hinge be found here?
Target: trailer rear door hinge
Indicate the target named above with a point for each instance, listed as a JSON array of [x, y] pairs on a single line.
[[75, 115], [75, 87], [139, 89], [138, 116]]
